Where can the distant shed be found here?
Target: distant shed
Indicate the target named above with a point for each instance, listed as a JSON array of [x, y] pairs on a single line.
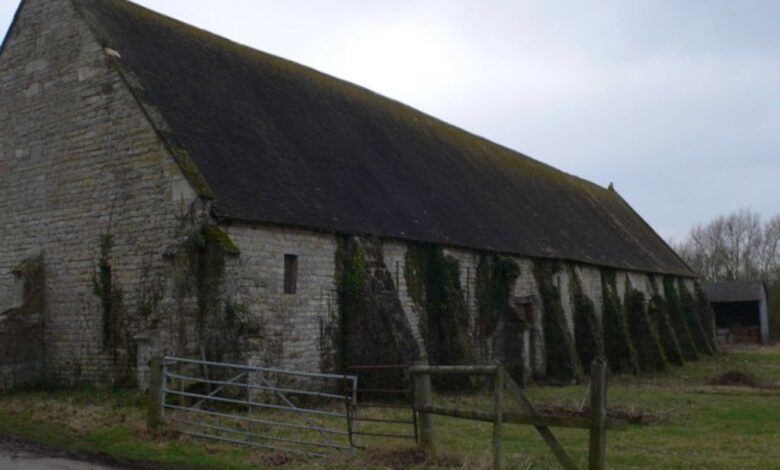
[[740, 310]]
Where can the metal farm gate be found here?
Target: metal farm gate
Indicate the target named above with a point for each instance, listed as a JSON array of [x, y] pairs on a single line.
[[291, 411], [385, 404]]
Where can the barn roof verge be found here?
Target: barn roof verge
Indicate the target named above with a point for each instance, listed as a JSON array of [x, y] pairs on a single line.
[[272, 141], [734, 291]]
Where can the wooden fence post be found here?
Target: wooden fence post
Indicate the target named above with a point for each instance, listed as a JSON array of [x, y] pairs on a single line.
[[598, 410], [422, 397], [154, 413], [498, 397]]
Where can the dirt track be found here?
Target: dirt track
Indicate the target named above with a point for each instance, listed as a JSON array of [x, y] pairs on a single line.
[[18, 454]]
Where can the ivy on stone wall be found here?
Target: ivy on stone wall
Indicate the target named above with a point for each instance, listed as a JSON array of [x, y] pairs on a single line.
[[677, 318], [562, 360], [621, 354], [494, 281], [588, 334], [210, 274], [706, 316], [110, 297], [372, 326], [689, 308], [433, 281], [497, 319], [117, 333], [643, 332], [656, 310], [209, 325]]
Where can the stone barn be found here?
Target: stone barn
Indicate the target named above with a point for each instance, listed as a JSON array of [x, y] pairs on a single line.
[[165, 190], [740, 311]]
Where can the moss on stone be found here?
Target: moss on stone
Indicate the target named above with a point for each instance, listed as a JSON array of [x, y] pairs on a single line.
[[562, 360], [214, 235], [620, 350], [678, 319], [189, 169], [650, 353]]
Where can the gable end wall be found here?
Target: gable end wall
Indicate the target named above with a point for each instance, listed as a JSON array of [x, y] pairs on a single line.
[[78, 160]]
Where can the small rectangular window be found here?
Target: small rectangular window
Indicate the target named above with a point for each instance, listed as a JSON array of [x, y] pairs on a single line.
[[290, 274]]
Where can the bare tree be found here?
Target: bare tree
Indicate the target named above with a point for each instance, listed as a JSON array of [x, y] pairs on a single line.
[[734, 246]]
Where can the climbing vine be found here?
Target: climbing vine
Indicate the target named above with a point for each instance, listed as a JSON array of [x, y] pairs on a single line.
[[372, 327], [433, 280], [495, 277], [621, 354], [495, 280], [210, 324], [116, 330], [562, 360], [650, 353], [656, 310], [588, 336], [706, 315], [677, 318], [689, 308]]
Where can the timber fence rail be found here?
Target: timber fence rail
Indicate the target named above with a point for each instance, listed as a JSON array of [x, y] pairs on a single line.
[[597, 423], [267, 408]]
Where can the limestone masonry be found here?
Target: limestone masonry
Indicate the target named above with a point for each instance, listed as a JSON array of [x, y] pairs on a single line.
[[133, 227]]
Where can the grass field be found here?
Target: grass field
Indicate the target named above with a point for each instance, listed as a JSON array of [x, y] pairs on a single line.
[[691, 425]]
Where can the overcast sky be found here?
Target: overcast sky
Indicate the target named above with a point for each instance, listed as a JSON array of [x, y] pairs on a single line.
[[676, 102]]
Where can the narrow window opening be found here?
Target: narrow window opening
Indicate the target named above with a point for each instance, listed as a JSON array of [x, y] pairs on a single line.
[[290, 274]]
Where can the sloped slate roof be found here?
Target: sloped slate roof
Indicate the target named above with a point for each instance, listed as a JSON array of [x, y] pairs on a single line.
[[734, 291], [279, 143]]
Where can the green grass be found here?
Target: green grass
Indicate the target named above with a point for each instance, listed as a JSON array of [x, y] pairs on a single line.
[[697, 426]]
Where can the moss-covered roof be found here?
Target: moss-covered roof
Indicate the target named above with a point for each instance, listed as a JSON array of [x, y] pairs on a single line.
[[280, 143]]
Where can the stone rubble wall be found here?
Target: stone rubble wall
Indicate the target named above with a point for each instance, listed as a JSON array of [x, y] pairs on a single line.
[[78, 160], [286, 328], [86, 182]]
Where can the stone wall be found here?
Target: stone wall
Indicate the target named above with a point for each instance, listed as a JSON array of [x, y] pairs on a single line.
[[79, 163], [22, 347], [286, 330], [135, 265]]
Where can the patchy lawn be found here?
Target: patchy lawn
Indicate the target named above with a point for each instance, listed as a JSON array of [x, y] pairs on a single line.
[[689, 423]]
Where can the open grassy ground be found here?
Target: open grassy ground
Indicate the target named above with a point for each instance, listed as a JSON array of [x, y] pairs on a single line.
[[692, 425]]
